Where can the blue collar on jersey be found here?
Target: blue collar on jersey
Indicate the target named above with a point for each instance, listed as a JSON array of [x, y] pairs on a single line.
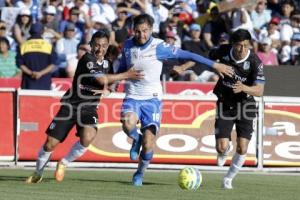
[[144, 46]]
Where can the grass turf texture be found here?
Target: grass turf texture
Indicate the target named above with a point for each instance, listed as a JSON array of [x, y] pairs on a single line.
[[102, 185]]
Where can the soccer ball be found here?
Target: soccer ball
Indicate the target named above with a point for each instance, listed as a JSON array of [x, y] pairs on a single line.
[[189, 178]]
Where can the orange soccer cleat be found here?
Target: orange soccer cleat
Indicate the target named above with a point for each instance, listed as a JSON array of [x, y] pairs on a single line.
[[60, 172]]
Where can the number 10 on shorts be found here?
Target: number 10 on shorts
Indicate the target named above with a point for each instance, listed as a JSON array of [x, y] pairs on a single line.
[[156, 117]]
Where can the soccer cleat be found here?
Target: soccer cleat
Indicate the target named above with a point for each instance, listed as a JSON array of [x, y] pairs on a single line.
[[135, 148], [34, 178], [60, 172], [222, 157], [226, 183], [137, 179]]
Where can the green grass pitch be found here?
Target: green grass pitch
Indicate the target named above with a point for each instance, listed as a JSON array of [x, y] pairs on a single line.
[[158, 185]]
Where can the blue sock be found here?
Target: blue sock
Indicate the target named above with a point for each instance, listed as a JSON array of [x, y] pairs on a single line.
[[134, 134], [144, 162]]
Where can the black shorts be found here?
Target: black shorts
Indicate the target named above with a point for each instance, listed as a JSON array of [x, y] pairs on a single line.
[[68, 116], [242, 116]]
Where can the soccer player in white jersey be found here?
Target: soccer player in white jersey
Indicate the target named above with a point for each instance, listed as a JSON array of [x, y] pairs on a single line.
[[143, 97]]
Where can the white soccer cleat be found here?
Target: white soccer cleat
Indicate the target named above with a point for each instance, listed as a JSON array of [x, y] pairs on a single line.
[[227, 183], [222, 157]]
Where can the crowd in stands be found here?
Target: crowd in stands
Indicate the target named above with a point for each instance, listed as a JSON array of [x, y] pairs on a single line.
[[193, 25]]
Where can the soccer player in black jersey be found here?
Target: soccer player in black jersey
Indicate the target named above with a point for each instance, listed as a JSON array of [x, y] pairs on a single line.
[[236, 104], [79, 106]]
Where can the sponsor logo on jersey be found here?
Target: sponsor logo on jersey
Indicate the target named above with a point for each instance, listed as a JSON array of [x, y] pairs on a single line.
[[52, 125], [226, 58], [90, 65], [246, 65]]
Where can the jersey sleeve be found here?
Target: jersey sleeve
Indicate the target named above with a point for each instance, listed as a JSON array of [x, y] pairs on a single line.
[[258, 72], [165, 51]]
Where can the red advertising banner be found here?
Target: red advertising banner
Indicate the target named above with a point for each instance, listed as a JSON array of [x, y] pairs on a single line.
[[281, 135], [186, 135], [7, 147]]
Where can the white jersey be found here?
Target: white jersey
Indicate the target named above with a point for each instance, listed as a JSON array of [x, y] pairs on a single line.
[[148, 58]]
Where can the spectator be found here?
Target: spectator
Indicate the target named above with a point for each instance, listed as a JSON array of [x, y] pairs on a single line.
[[36, 59], [168, 65], [22, 26], [295, 49], [275, 7], [51, 32], [8, 67], [79, 25], [84, 9], [66, 48], [241, 20], [286, 33], [33, 6], [4, 33], [265, 54], [158, 12], [170, 38], [175, 25], [197, 71], [104, 9], [260, 15], [287, 30], [73, 61], [214, 28], [58, 7], [204, 7], [272, 32], [121, 26], [287, 7]]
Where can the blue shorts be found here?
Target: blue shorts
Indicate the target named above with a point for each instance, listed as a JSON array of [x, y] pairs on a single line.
[[148, 111]]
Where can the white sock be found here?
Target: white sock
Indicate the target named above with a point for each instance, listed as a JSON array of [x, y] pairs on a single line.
[[76, 151], [236, 164], [42, 160]]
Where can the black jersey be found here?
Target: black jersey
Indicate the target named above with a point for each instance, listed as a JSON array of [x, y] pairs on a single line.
[[249, 71], [84, 80]]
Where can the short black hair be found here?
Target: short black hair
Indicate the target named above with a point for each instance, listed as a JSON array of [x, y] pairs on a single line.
[[5, 40], [143, 18], [240, 35], [101, 33], [289, 2]]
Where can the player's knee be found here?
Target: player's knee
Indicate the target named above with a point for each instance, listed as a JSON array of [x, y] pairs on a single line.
[[241, 150], [127, 126], [87, 139], [148, 145], [50, 145], [221, 148]]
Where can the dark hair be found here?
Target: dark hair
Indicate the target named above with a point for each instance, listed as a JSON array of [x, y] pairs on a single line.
[[289, 2], [19, 21], [76, 9], [101, 33], [143, 18], [240, 35], [121, 5], [3, 39]]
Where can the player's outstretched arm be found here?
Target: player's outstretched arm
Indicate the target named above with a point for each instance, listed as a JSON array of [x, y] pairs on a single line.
[[105, 79], [165, 51], [222, 69]]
